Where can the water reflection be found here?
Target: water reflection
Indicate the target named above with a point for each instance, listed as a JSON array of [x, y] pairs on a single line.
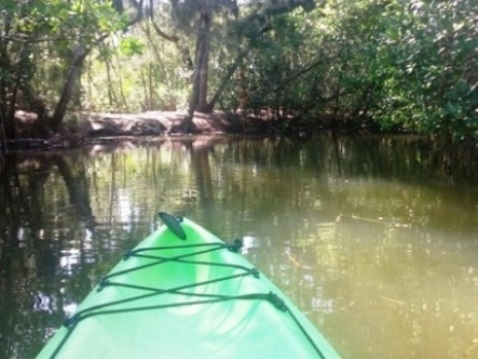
[[373, 239]]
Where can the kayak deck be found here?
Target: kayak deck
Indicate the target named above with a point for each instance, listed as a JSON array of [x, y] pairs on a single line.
[[186, 297]]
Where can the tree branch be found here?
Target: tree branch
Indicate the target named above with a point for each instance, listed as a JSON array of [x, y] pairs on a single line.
[[29, 39], [161, 33]]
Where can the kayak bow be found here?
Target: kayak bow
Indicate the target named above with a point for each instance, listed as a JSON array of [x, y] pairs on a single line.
[[184, 293]]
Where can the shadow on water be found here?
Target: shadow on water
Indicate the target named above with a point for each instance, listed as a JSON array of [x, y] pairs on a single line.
[[32, 245], [326, 218]]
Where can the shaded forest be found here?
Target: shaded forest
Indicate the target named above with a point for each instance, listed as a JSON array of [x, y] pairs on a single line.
[[388, 65]]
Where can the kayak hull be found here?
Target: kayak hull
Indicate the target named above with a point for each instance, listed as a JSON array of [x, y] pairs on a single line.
[[184, 298]]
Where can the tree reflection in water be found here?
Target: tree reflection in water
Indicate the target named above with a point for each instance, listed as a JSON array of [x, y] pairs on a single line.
[[327, 219]]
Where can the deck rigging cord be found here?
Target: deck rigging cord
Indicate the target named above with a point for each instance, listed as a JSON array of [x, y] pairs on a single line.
[[202, 298]]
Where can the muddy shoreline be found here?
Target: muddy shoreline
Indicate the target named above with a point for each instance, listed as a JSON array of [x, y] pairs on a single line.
[[87, 128]]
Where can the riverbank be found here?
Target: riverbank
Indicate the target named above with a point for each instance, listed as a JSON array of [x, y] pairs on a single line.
[[157, 123], [83, 128]]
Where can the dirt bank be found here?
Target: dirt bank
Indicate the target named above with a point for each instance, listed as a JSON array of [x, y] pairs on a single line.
[[156, 123], [85, 128]]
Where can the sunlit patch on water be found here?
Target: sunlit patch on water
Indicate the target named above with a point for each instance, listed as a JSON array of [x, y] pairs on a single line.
[[49, 304], [69, 259], [45, 303], [249, 243], [70, 309], [323, 305]]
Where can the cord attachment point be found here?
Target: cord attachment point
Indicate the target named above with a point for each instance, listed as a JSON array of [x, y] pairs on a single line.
[[235, 245], [102, 284], [277, 302], [70, 321]]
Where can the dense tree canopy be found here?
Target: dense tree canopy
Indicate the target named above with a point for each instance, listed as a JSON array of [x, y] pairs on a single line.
[[391, 64]]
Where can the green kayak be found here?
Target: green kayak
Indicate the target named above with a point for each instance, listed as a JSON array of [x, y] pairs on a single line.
[[184, 293]]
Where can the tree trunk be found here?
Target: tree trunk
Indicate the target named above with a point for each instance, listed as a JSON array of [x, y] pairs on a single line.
[[7, 123], [202, 66], [78, 58], [198, 100], [226, 79]]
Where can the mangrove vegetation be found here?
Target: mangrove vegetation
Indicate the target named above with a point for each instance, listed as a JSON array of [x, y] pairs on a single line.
[[297, 65]]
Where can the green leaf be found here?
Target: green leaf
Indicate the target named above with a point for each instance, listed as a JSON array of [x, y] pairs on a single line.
[[131, 46]]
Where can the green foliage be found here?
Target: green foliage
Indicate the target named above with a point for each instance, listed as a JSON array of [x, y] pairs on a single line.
[[407, 64], [402, 65], [37, 43], [432, 87], [131, 46]]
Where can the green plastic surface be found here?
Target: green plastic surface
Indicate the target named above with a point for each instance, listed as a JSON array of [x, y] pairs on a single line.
[[183, 328]]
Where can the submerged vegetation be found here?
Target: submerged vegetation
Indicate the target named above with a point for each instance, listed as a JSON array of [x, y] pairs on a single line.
[[395, 65]]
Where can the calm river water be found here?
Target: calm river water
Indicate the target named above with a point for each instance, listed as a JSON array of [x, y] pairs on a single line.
[[368, 236]]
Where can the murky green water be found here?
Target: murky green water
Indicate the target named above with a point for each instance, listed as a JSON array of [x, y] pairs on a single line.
[[375, 244]]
